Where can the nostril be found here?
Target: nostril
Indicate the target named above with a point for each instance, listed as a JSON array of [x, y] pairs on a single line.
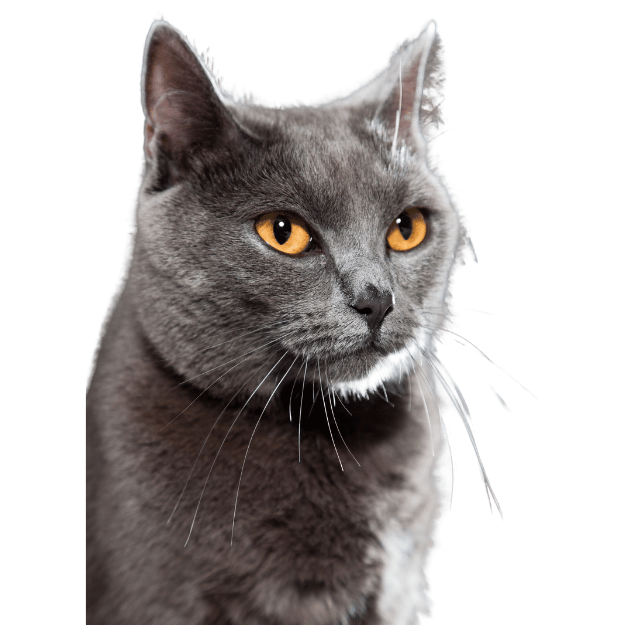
[[374, 306]]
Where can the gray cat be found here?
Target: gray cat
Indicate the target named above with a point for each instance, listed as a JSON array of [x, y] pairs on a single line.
[[259, 434]]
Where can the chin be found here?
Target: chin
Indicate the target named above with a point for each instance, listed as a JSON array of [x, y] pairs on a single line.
[[388, 368]]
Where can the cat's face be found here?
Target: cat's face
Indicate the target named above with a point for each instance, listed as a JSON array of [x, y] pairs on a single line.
[[212, 292]]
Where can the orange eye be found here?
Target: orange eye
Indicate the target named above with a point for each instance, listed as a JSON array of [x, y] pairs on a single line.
[[285, 233], [407, 231]]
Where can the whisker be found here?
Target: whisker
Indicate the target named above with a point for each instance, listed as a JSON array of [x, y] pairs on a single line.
[[327, 419], [232, 344], [458, 392], [299, 427], [314, 395], [467, 342], [330, 387], [427, 412], [233, 359], [447, 316], [236, 500], [239, 336], [451, 462], [446, 308], [208, 436], [440, 133], [409, 392], [502, 401], [439, 414], [383, 397], [397, 114], [460, 409], [191, 404], [342, 404], [428, 383], [292, 389], [226, 363], [204, 391], [235, 338], [222, 444], [470, 244]]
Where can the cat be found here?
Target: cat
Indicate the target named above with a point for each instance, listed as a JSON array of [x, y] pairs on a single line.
[[260, 447]]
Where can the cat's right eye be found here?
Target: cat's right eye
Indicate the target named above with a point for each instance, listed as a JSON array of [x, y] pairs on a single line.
[[285, 233], [407, 231]]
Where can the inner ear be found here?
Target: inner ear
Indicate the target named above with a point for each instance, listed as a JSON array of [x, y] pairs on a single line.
[[405, 96], [397, 111], [411, 105], [182, 108]]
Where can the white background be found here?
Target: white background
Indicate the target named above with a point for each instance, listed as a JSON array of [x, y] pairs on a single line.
[[533, 156]]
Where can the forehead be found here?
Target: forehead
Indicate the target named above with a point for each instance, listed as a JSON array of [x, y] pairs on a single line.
[[338, 167]]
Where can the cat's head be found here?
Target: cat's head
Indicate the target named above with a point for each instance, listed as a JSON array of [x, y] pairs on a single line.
[[315, 239]]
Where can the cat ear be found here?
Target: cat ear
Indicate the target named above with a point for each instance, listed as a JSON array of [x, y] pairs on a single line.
[[182, 107], [407, 93]]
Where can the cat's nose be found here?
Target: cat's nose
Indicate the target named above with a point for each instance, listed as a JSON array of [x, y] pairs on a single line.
[[374, 305]]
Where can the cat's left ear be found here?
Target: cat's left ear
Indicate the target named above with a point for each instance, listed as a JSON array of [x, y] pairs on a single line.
[[407, 94], [182, 106]]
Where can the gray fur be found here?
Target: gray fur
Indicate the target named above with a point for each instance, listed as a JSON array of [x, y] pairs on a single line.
[[315, 542]]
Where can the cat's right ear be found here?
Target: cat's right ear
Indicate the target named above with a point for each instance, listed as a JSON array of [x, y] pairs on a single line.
[[183, 110], [405, 97]]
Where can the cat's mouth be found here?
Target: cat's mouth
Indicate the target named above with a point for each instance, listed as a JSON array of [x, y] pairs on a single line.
[[389, 368], [357, 368]]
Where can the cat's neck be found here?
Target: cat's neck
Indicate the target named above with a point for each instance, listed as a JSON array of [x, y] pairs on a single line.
[[140, 389]]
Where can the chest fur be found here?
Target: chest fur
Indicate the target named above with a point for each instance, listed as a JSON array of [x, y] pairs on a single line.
[[311, 542]]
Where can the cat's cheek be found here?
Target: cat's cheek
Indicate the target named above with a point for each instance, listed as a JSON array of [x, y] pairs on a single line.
[[284, 284]]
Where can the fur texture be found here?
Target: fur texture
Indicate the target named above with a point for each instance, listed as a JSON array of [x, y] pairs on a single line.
[[258, 451]]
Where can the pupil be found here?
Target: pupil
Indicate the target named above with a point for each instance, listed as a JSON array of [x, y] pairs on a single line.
[[282, 229], [404, 224]]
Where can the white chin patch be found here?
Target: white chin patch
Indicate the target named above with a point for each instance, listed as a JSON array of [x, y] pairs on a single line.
[[390, 368]]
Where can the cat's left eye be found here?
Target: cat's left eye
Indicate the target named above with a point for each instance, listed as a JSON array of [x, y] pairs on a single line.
[[407, 231], [286, 233]]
